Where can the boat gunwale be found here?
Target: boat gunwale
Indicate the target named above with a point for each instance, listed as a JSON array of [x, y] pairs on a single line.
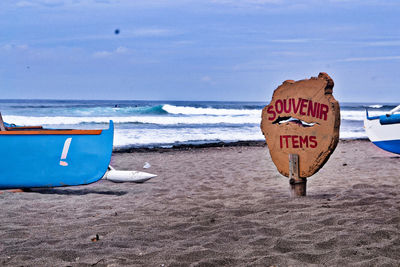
[[51, 132], [19, 128]]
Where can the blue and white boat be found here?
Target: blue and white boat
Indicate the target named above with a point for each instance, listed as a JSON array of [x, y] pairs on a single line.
[[36, 157], [384, 130]]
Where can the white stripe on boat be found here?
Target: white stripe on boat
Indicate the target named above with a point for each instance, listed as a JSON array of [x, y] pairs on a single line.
[[65, 151]]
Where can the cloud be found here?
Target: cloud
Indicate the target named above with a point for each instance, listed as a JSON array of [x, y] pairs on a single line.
[[151, 32], [255, 65], [206, 79], [118, 51], [284, 4], [25, 4], [385, 43], [121, 50], [302, 5], [124, 34], [358, 59], [43, 3], [247, 2], [100, 3], [290, 53], [19, 47], [102, 54], [366, 2], [293, 41]]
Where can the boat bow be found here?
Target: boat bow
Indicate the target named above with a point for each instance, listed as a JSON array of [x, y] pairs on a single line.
[[384, 130]]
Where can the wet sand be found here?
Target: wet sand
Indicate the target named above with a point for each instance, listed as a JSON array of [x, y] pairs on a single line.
[[213, 207]]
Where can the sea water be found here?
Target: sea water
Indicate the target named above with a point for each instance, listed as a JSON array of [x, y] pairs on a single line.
[[167, 123]]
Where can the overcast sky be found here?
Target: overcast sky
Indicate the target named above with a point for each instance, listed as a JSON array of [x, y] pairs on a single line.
[[197, 50]]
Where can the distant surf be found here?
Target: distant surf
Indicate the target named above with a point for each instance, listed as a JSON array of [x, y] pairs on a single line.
[[168, 123]]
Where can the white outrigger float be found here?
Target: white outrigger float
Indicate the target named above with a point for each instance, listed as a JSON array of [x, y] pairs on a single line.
[[127, 176], [384, 130]]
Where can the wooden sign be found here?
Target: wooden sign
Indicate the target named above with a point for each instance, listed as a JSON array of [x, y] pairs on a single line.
[[303, 118]]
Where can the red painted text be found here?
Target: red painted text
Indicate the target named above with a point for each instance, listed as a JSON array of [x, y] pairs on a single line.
[[300, 106], [297, 141]]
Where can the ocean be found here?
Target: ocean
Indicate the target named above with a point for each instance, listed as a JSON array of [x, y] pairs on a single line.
[[167, 123]]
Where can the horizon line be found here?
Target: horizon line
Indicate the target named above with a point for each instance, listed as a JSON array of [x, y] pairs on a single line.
[[166, 100]]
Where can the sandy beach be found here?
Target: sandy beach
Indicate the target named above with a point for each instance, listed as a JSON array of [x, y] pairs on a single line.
[[213, 207]]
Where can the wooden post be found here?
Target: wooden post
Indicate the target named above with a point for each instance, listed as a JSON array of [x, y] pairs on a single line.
[[2, 128], [297, 185]]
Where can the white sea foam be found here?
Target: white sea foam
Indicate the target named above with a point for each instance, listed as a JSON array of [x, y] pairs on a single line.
[[352, 135], [143, 137], [376, 106], [357, 115], [190, 125], [140, 137], [160, 120], [208, 111]]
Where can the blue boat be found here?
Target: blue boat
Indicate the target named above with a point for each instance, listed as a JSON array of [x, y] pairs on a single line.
[[384, 130], [36, 157]]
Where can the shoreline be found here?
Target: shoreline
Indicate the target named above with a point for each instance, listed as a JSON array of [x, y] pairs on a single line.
[[180, 147]]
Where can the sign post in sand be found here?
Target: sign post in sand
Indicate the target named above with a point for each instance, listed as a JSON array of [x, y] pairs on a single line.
[[301, 128]]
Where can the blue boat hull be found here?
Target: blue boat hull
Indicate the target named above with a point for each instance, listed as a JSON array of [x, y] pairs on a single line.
[[391, 145], [51, 160]]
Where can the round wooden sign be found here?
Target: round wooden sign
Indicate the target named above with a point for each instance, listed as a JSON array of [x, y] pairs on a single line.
[[303, 118]]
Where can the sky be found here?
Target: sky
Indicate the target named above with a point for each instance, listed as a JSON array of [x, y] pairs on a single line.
[[206, 50]]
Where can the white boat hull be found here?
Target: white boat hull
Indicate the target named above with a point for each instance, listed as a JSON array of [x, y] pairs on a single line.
[[385, 136]]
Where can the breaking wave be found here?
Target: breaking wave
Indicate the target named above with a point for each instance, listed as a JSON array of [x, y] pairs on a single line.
[[159, 120]]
